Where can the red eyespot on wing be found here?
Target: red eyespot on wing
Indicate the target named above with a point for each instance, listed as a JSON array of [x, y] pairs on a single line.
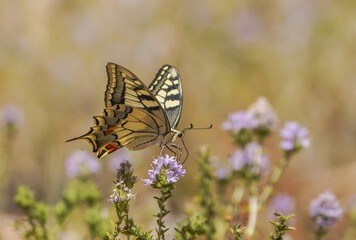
[[108, 148], [109, 131], [111, 147]]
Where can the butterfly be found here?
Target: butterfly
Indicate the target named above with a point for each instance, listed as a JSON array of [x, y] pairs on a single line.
[[135, 115]]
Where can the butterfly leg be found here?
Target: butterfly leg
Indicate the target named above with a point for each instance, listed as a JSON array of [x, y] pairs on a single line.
[[170, 149], [165, 146], [176, 146], [175, 154], [162, 148]]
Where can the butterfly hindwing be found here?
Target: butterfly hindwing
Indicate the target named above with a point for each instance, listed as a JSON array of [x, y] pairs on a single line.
[[167, 88], [122, 125]]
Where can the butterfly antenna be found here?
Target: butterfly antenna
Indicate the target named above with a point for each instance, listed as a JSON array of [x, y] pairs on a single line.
[[186, 149], [193, 128]]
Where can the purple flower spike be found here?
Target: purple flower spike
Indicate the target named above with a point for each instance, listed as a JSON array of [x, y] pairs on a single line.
[[325, 209], [295, 136], [114, 198], [239, 120], [259, 114], [81, 162], [121, 193], [173, 169], [251, 158], [222, 173]]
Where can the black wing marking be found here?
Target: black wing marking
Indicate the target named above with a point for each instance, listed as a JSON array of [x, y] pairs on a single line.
[[124, 87]]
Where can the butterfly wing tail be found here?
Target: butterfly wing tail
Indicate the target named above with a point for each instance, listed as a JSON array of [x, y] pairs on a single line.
[[117, 127]]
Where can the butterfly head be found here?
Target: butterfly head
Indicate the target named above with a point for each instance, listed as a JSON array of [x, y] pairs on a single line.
[[176, 134]]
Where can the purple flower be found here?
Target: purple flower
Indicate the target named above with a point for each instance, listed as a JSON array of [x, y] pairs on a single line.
[[250, 158], [259, 114], [81, 162], [121, 193], [295, 136], [263, 114], [222, 173], [114, 198], [221, 170], [283, 203], [172, 168], [325, 209], [12, 115], [239, 120]]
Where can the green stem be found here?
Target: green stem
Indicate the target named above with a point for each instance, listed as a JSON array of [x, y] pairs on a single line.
[[44, 229], [320, 232], [163, 212], [253, 211], [160, 223], [277, 173], [127, 220], [206, 196], [32, 223], [236, 198]]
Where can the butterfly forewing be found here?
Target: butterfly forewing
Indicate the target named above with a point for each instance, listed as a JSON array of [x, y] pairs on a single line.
[[125, 88], [167, 88]]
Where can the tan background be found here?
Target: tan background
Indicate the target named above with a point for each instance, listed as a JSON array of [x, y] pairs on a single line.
[[299, 54]]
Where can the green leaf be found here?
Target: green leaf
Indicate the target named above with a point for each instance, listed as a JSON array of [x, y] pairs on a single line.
[[24, 198], [40, 212]]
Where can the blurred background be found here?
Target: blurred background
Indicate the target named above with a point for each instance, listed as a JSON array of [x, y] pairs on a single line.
[[299, 54]]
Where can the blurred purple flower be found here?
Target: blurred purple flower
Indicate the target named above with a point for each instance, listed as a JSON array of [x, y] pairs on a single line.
[[263, 114], [259, 114], [12, 115], [221, 170], [81, 162], [173, 169], [222, 173], [251, 158], [325, 209], [283, 203], [295, 136], [239, 120]]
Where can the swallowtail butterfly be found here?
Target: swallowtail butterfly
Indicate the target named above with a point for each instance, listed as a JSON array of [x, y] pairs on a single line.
[[137, 116]]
